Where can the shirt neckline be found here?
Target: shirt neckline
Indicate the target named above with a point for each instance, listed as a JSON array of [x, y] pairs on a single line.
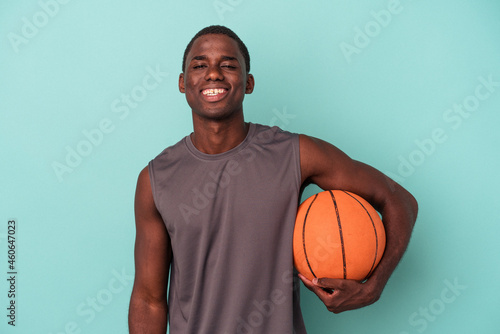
[[205, 156]]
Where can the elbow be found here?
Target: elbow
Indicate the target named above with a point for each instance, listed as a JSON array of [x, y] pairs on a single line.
[[407, 207], [413, 204]]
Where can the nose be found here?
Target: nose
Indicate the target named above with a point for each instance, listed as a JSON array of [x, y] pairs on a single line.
[[214, 73]]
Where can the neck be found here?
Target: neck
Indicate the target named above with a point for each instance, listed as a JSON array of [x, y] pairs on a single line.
[[218, 136]]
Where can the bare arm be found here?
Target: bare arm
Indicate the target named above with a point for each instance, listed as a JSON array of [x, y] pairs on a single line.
[[148, 303], [329, 168]]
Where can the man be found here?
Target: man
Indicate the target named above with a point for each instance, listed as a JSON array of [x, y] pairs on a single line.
[[218, 210]]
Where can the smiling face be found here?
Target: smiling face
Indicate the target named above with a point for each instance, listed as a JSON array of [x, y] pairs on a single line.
[[215, 80]]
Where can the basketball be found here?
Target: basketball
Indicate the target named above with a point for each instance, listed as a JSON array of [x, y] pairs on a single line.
[[337, 234]]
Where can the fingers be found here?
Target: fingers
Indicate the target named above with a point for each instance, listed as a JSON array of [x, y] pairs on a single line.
[[306, 281], [324, 293], [328, 283], [311, 285], [339, 295], [331, 283]]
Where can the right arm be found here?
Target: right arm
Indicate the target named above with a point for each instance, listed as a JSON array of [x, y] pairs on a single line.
[[152, 254]]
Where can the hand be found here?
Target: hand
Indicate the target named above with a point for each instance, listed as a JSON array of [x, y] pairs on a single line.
[[341, 295]]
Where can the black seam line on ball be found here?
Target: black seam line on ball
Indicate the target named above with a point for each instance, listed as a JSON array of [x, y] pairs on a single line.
[[340, 233], [304, 237], [376, 236]]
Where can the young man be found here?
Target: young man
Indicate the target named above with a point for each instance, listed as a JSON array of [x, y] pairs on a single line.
[[218, 210]]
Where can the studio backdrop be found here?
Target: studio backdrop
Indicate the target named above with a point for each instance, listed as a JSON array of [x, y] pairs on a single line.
[[89, 95]]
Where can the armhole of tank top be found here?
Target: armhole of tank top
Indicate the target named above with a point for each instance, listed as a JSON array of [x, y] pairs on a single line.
[[152, 182], [296, 153]]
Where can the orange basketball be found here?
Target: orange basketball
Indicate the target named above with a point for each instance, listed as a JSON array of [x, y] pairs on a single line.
[[337, 235]]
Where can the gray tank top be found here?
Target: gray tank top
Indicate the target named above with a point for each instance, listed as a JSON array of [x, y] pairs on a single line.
[[230, 218]]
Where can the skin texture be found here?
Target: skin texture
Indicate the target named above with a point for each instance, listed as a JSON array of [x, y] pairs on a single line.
[[148, 303], [216, 62], [330, 168]]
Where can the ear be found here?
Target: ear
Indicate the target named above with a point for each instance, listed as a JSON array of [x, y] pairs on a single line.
[[250, 84], [182, 88]]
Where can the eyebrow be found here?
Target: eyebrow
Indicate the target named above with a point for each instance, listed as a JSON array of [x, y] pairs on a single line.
[[229, 58], [199, 58], [203, 57]]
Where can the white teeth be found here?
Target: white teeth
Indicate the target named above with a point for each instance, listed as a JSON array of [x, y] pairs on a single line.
[[213, 92]]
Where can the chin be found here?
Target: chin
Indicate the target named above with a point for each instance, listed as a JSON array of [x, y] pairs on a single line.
[[216, 115]]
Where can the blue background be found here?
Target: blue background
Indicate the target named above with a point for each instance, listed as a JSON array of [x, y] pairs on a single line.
[[382, 80]]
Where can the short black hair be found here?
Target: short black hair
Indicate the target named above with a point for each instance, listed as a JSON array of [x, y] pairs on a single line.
[[219, 30]]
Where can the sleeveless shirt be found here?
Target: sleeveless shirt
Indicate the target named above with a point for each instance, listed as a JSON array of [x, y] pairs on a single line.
[[230, 218]]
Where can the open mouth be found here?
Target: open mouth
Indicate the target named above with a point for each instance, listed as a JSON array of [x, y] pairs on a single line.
[[213, 91], [214, 94]]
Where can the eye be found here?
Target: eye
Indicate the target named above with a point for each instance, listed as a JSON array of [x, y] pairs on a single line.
[[198, 66], [229, 66]]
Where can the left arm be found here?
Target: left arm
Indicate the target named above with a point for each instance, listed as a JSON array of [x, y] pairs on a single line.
[[328, 167]]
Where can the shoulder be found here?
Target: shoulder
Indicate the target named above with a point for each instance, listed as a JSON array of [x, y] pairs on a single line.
[[170, 156], [316, 153], [143, 191], [143, 176], [145, 208], [172, 149], [272, 134], [320, 160]]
